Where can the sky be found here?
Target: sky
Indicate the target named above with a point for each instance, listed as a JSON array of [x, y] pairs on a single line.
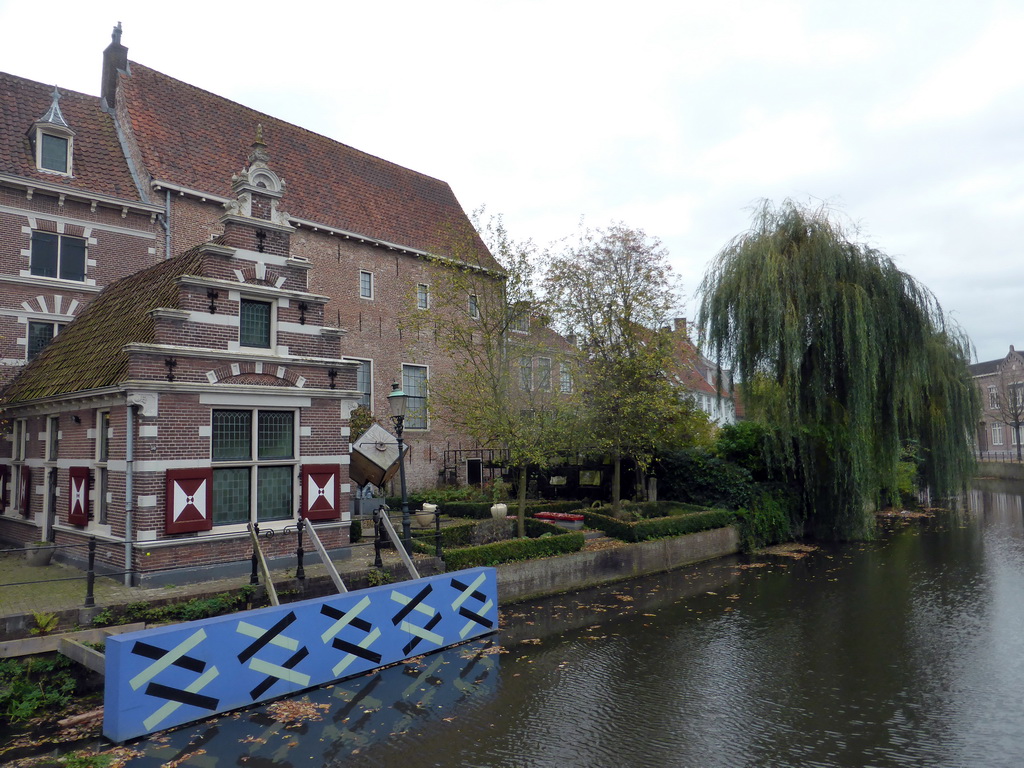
[[906, 118]]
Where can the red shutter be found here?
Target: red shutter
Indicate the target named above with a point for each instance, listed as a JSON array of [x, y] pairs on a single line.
[[321, 491], [189, 500], [78, 497], [24, 490]]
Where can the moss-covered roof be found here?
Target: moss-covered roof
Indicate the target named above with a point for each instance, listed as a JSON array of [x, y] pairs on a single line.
[[90, 352]]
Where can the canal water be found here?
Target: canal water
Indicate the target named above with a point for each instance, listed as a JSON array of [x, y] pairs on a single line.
[[904, 651]]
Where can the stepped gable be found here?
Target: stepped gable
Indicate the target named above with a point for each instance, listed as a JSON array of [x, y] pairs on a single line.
[[193, 138], [99, 163], [89, 353]]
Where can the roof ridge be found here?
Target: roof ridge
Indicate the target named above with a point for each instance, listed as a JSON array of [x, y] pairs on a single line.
[[64, 92]]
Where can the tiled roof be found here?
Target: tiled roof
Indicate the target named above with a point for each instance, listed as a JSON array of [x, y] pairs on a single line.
[[195, 139], [992, 366], [89, 353], [982, 369], [99, 165]]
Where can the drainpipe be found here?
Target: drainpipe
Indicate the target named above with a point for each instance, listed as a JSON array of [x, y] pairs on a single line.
[[129, 493], [167, 224]]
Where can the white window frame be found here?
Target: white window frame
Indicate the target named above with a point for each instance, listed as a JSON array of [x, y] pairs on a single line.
[[474, 306], [273, 321], [520, 323], [543, 365], [564, 380], [369, 294], [997, 433], [369, 393], [526, 373], [61, 238], [254, 462], [19, 450], [100, 460], [66, 136], [58, 326], [993, 398], [422, 296], [426, 397]]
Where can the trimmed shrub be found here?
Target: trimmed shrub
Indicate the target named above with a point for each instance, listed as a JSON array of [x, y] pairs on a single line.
[[515, 549], [543, 540], [658, 527]]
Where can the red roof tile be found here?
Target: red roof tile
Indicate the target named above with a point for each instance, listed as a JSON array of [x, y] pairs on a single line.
[[195, 139], [99, 165]]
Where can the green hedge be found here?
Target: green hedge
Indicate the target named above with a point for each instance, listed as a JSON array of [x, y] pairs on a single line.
[[451, 536], [544, 540], [513, 550], [658, 527]]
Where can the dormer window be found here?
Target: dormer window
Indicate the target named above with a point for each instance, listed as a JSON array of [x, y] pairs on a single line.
[[53, 152], [53, 140]]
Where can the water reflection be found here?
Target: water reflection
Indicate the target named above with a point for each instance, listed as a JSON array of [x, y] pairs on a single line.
[[330, 725], [905, 651]]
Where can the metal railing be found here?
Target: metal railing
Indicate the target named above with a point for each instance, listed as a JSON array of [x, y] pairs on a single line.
[[379, 541]]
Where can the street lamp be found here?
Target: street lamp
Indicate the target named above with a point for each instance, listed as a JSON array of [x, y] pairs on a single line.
[[398, 402]]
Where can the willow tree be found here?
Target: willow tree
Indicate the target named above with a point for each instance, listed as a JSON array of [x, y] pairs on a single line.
[[846, 357]]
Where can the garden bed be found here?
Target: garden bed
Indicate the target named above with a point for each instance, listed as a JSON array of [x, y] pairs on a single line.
[[493, 542], [681, 519]]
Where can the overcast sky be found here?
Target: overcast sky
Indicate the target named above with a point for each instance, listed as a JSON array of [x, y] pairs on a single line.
[[675, 118]]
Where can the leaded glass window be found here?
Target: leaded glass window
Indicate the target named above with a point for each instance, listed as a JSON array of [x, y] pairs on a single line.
[[39, 335], [254, 467], [254, 323], [232, 435], [276, 431]]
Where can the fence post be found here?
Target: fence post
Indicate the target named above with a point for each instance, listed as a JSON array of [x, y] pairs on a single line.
[[90, 576], [300, 571], [254, 577], [377, 562], [437, 533]]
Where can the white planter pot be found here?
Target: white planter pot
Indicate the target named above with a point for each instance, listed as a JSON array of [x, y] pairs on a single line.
[[425, 516], [499, 511]]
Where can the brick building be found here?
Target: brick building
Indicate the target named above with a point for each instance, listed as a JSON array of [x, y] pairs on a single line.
[[343, 246], [1000, 384], [187, 400]]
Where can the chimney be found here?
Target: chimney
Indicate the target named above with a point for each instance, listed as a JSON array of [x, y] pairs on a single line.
[[680, 324], [115, 59]]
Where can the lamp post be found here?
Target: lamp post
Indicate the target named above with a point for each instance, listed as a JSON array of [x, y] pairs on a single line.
[[397, 402]]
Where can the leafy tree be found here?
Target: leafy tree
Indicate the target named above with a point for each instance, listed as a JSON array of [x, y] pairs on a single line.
[[845, 356], [614, 291], [503, 391]]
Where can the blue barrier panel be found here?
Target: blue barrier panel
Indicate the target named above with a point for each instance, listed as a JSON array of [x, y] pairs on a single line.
[[161, 678]]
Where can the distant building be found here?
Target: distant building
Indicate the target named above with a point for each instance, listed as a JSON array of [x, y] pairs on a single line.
[[712, 391], [1000, 384]]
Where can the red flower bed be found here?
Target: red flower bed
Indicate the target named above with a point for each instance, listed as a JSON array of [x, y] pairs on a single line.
[[567, 517]]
